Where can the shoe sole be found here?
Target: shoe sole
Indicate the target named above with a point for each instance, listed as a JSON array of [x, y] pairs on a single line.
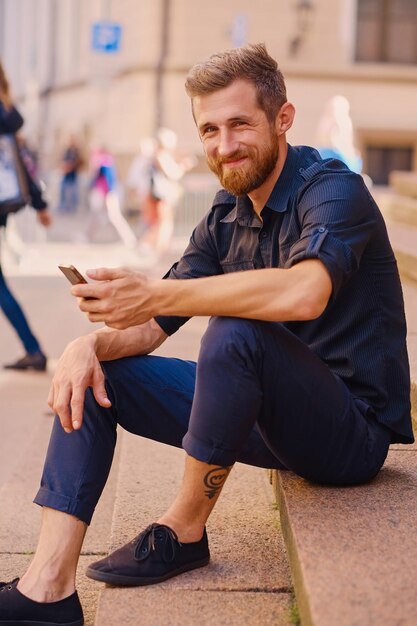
[[37, 623], [119, 580]]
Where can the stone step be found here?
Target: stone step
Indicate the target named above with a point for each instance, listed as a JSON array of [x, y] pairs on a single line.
[[403, 209], [27, 422], [400, 213], [404, 183], [353, 551], [248, 579], [403, 238], [404, 242], [248, 559]]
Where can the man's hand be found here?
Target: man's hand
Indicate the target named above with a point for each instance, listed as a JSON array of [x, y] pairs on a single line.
[[122, 298], [78, 368]]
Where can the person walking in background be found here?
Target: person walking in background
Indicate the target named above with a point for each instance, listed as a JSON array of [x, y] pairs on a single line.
[[10, 122], [335, 137], [104, 201], [139, 189], [167, 170], [70, 164], [28, 155]]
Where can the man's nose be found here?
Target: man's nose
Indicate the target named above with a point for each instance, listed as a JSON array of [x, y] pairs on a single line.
[[227, 143]]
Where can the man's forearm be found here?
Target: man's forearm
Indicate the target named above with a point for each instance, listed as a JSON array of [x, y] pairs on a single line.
[[113, 344], [123, 299], [301, 292]]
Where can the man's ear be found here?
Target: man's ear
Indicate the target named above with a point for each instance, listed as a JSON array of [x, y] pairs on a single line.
[[285, 118]]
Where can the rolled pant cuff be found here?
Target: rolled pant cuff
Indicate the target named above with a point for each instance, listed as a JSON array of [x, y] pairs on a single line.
[[207, 453], [62, 503]]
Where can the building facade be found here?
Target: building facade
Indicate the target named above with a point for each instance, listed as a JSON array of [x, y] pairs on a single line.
[[117, 92]]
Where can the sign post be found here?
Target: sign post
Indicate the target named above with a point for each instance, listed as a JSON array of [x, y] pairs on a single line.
[[106, 37]]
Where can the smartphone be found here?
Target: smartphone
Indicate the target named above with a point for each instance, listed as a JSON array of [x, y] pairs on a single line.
[[72, 274]]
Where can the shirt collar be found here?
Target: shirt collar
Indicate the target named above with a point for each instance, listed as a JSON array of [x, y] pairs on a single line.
[[287, 182]]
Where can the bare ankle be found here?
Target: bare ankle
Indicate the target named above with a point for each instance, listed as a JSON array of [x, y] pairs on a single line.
[[187, 533], [44, 587]]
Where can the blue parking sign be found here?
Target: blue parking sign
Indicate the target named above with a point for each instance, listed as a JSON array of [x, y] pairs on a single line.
[[106, 37]]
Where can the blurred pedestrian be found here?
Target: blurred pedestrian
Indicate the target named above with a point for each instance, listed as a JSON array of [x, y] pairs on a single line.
[[70, 164], [167, 170], [28, 155], [139, 185], [10, 122], [335, 137], [104, 201]]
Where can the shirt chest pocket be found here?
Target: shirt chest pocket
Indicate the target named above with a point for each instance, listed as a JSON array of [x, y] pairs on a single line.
[[237, 266]]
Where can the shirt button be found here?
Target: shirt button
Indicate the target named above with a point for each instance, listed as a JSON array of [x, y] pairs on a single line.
[[321, 229], [264, 234]]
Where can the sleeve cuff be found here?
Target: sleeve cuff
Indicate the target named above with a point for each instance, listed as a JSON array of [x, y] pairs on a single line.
[[170, 324]]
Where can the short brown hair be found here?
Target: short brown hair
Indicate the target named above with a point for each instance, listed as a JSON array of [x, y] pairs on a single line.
[[252, 63]]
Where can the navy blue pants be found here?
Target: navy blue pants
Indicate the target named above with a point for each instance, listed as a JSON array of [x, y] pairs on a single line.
[[16, 317], [257, 395]]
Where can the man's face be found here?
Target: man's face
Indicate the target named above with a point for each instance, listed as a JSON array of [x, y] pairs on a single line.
[[241, 145]]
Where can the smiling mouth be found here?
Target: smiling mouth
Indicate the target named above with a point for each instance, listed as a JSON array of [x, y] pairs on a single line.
[[234, 163]]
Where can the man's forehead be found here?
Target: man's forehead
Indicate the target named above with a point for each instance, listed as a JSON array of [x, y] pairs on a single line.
[[239, 98]]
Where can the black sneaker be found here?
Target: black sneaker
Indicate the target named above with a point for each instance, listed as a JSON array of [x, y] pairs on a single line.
[[35, 361], [15, 609], [153, 556]]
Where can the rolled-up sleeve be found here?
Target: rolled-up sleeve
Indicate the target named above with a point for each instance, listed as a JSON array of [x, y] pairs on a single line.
[[199, 259], [337, 217]]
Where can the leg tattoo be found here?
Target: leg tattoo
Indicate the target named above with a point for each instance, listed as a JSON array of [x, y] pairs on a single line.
[[214, 480]]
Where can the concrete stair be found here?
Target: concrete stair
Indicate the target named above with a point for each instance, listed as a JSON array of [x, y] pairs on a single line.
[[398, 203], [353, 551], [248, 579]]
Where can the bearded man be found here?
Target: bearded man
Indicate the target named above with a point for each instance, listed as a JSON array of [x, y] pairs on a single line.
[[296, 369]]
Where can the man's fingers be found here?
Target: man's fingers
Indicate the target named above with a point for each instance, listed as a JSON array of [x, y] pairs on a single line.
[[99, 389], [90, 291], [107, 273], [61, 406], [91, 305], [51, 397], [77, 405]]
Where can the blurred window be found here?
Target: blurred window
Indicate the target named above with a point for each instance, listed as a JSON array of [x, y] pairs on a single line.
[[387, 31], [381, 160]]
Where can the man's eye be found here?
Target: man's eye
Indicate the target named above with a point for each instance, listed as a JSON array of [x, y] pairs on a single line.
[[208, 130]]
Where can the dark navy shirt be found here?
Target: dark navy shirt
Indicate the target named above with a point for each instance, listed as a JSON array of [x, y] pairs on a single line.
[[319, 209]]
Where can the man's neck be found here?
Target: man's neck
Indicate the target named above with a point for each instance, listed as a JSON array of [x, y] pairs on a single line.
[[260, 195]]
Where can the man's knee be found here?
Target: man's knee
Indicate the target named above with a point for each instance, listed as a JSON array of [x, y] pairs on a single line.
[[229, 337]]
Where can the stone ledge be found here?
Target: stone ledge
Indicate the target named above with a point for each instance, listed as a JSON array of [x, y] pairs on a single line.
[[353, 551], [404, 183], [402, 209], [407, 264]]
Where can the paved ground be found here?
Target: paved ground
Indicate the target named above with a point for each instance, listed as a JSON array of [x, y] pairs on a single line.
[[248, 579]]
